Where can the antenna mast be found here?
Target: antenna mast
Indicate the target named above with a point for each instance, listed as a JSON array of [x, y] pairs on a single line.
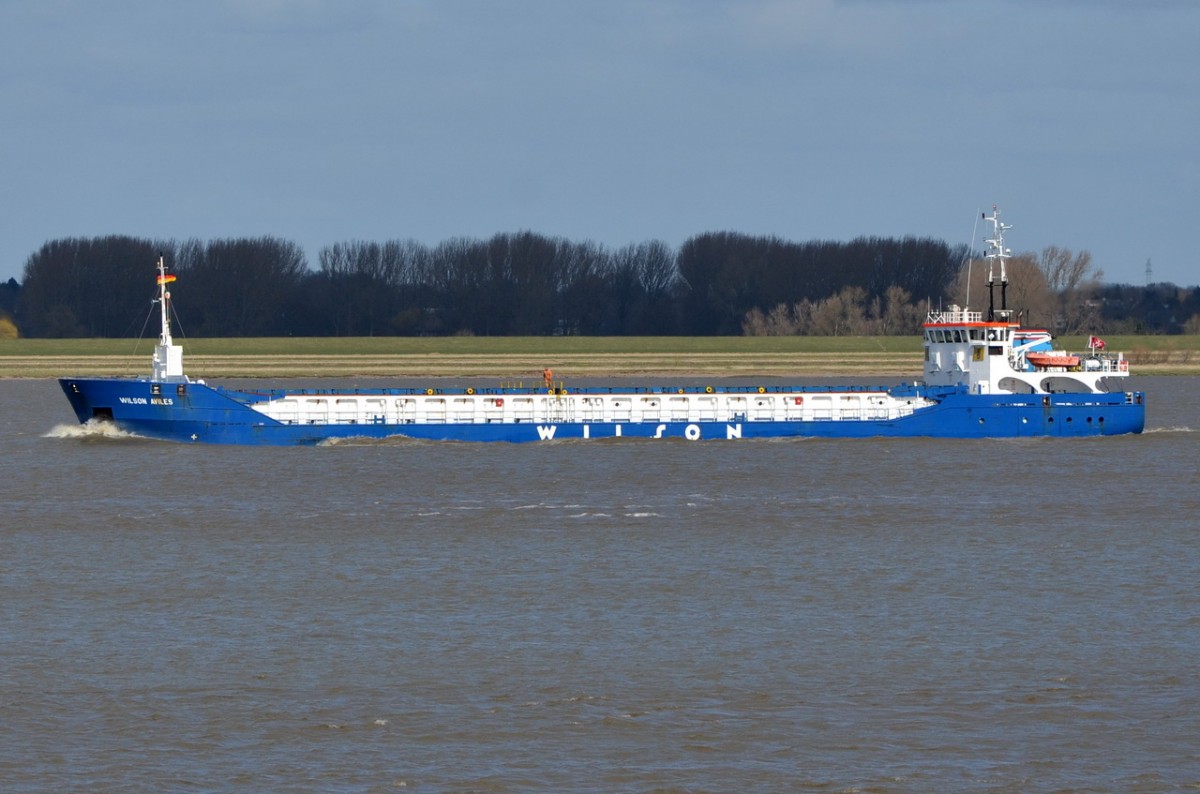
[[997, 254]]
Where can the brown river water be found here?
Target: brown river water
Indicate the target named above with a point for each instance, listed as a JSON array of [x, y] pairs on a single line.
[[624, 616]]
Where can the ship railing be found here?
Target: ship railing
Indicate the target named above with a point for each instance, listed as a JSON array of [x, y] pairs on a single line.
[[953, 315], [1103, 362]]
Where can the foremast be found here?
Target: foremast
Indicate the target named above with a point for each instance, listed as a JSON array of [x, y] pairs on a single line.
[[168, 356]]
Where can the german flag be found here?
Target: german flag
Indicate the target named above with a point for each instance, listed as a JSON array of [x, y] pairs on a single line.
[[167, 279]]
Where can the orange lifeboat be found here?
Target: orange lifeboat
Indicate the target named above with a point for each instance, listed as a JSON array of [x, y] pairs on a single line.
[[1052, 359]]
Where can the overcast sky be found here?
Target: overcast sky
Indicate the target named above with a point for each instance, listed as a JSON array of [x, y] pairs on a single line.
[[321, 121]]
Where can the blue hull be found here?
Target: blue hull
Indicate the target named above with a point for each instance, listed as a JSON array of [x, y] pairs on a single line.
[[197, 412]]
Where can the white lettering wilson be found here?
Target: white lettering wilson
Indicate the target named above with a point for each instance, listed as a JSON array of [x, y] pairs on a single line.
[[144, 401]]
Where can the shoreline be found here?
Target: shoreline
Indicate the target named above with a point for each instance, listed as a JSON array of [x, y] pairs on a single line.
[[508, 367]]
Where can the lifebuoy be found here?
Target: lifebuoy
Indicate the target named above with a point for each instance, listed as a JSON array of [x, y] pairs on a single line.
[[429, 391], [681, 390], [708, 389], [470, 390], [1123, 365], [762, 390], [499, 402], [799, 401]]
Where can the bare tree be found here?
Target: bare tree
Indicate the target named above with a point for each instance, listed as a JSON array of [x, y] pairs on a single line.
[[1066, 271], [843, 314], [241, 286], [95, 286], [899, 315], [1075, 281], [1028, 292]]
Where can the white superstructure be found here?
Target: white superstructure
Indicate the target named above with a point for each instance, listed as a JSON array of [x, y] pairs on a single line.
[[994, 355]]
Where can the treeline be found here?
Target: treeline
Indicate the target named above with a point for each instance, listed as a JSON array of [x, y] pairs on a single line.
[[529, 284], [510, 284]]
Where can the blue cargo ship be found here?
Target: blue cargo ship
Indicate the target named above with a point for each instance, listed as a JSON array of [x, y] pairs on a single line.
[[984, 377]]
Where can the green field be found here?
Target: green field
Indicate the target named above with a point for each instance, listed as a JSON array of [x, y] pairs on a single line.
[[523, 356], [470, 345]]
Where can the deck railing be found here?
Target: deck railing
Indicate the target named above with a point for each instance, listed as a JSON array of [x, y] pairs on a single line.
[[953, 315]]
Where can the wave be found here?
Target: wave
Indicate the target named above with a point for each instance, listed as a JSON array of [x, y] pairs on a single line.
[[92, 429], [1181, 429], [372, 441]]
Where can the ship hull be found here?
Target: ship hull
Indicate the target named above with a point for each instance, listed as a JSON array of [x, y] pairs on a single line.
[[198, 413]]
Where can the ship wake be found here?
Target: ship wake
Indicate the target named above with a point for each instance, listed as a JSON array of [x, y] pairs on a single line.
[[91, 430]]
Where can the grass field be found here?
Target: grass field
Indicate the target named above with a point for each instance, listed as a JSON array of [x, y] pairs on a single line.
[[517, 357]]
